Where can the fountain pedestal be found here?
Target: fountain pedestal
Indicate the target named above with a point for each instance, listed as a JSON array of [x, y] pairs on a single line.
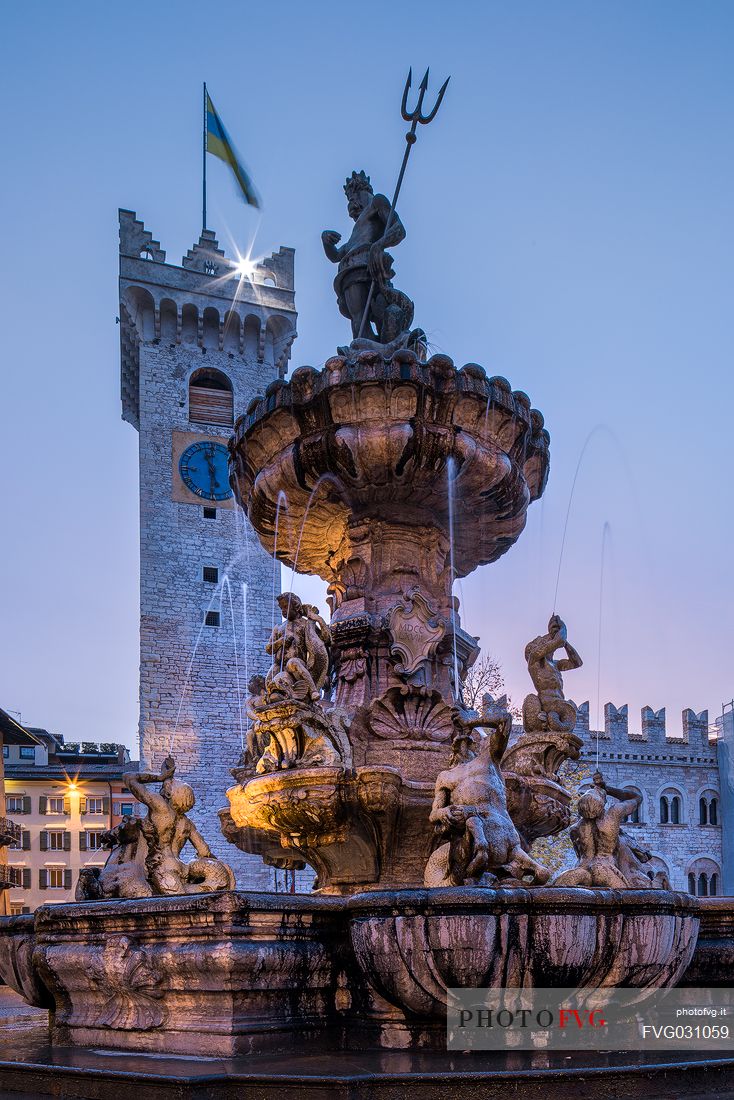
[[374, 456]]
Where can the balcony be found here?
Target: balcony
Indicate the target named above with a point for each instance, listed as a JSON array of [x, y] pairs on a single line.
[[10, 876], [10, 832]]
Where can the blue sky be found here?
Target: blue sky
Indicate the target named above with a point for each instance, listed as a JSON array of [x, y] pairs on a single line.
[[569, 219]]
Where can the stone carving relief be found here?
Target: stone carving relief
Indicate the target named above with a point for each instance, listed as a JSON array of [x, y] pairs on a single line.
[[415, 632], [131, 983], [408, 715], [481, 845]]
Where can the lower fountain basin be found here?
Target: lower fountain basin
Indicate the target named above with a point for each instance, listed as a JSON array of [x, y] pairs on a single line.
[[219, 975], [412, 946]]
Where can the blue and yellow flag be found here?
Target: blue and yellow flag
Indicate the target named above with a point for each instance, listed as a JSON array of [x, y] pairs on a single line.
[[219, 143]]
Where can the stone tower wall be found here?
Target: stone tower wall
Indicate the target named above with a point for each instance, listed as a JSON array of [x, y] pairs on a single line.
[[193, 678]]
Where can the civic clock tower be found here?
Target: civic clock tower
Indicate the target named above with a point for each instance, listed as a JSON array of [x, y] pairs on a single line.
[[198, 343]]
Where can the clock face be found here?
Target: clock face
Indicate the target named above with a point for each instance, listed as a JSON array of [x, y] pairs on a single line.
[[203, 468]]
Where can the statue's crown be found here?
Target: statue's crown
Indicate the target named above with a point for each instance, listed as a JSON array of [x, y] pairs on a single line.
[[357, 182]]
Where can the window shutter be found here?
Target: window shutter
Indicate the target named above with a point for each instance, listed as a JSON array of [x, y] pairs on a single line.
[[67, 879], [26, 804], [67, 842], [26, 844], [44, 840], [26, 908], [26, 878], [67, 805], [82, 841], [116, 809], [210, 406], [42, 803], [82, 805], [42, 879], [105, 805]]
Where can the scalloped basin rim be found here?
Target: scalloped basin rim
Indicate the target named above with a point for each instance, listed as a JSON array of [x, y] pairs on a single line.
[[543, 899], [296, 776], [547, 899]]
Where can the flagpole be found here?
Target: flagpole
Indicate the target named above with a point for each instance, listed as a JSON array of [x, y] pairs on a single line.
[[203, 208]]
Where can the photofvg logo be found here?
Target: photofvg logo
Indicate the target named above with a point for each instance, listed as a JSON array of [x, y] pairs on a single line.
[[591, 1019]]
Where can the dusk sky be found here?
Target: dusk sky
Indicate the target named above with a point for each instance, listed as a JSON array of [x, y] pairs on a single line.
[[570, 225]]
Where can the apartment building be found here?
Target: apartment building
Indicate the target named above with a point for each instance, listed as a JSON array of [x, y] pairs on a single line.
[[62, 796]]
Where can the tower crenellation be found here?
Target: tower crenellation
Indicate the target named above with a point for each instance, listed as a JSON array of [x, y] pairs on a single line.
[[582, 718], [616, 720], [653, 724], [197, 342], [696, 727]]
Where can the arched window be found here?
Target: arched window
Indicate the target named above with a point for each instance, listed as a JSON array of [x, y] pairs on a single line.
[[708, 809], [703, 878], [671, 807], [658, 873], [636, 817], [210, 398]]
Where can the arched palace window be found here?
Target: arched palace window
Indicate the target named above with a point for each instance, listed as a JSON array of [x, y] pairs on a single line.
[[708, 809], [704, 879], [671, 808]]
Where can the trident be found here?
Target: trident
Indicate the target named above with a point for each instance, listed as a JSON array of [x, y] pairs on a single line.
[[411, 137]]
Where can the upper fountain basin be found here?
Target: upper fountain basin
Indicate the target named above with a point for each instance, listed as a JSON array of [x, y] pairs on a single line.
[[370, 439]]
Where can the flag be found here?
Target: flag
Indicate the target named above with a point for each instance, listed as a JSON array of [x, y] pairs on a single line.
[[219, 143]]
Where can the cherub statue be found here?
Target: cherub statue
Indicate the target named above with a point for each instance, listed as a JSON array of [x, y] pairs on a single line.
[[549, 710], [300, 650], [470, 808], [605, 857], [363, 261], [167, 830]]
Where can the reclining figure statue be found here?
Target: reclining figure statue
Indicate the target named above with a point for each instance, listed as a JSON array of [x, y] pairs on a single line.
[[606, 858], [145, 857], [470, 809]]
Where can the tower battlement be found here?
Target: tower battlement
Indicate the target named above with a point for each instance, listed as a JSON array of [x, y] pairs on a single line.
[[206, 302], [653, 729]]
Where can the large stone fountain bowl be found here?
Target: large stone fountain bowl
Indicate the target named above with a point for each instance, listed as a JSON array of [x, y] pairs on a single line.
[[370, 441], [415, 945]]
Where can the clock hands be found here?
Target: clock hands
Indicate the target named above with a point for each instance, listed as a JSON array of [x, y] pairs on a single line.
[[209, 456]]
